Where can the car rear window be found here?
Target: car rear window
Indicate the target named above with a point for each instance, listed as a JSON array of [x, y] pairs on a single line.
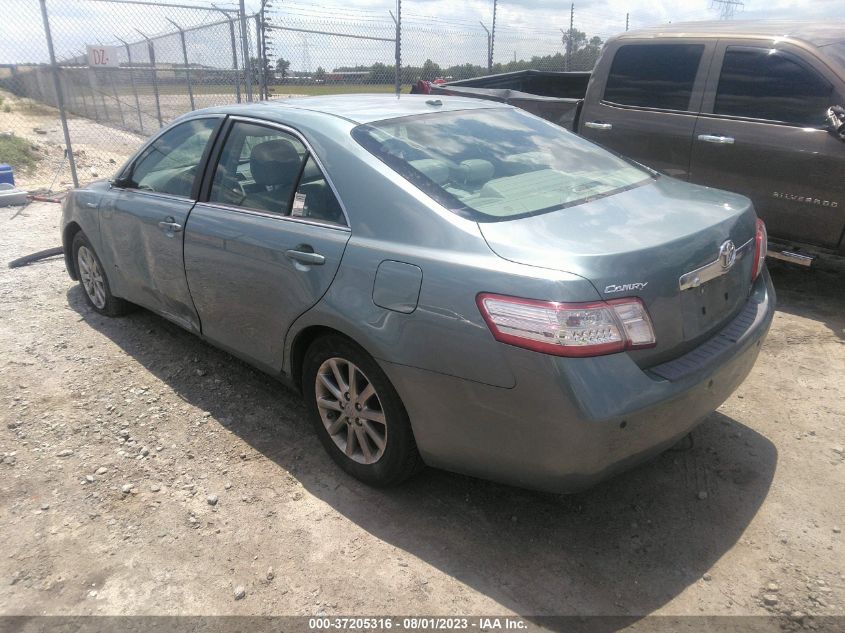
[[499, 163], [654, 75], [836, 51]]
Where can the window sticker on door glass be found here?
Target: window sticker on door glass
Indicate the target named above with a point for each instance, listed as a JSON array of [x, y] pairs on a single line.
[[298, 209]]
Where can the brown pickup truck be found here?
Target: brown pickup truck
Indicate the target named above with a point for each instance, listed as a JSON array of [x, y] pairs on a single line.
[[751, 107]]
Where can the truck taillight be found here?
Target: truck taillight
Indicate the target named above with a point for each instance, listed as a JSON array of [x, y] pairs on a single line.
[[761, 245], [568, 329]]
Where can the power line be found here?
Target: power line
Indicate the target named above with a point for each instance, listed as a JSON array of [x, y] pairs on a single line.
[[727, 8]]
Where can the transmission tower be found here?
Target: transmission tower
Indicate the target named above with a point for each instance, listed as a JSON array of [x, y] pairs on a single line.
[[727, 8]]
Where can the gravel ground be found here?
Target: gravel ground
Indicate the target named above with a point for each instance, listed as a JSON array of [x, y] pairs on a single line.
[[145, 472]]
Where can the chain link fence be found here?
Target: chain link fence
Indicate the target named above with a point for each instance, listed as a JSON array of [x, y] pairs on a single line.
[[124, 68]]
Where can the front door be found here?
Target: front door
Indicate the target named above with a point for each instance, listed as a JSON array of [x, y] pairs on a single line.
[[143, 218], [649, 104], [266, 242], [761, 134]]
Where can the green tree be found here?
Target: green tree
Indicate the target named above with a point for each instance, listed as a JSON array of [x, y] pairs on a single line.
[[282, 66], [576, 37], [430, 70], [320, 74], [381, 73]]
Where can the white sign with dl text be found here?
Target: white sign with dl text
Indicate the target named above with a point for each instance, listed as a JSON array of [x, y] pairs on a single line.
[[100, 56]]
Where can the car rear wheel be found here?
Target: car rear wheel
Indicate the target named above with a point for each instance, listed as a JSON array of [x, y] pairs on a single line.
[[357, 413], [93, 280]]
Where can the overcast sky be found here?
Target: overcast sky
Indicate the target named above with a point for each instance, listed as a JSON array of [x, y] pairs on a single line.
[[446, 31]]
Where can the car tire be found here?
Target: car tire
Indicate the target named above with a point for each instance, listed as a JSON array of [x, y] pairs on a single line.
[[92, 278], [357, 413]]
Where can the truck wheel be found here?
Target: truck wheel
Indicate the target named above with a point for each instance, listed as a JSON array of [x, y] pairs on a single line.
[[357, 413], [93, 280]]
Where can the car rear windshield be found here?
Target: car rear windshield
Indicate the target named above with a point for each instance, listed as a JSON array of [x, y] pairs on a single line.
[[499, 163], [836, 51]]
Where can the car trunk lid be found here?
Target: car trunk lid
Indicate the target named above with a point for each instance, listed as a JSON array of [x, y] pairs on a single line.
[[648, 242]]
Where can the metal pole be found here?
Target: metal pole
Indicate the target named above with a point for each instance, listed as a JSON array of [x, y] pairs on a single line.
[[493, 34], [245, 48], [185, 57], [95, 88], [234, 53], [569, 38], [132, 81], [84, 103], [627, 19], [489, 52], [151, 51], [116, 97], [259, 55], [61, 101], [398, 47]]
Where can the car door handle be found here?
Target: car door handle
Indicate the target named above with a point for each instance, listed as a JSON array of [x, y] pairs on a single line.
[[598, 125], [716, 138], [170, 225], [305, 257]]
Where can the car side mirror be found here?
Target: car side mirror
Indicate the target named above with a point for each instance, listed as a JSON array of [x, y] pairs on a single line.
[[835, 121], [121, 182]]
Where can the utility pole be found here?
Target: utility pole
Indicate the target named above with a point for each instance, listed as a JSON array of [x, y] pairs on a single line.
[[727, 8], [627, 20]]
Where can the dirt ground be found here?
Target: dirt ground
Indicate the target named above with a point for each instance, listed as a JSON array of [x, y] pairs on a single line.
[[114, 433]]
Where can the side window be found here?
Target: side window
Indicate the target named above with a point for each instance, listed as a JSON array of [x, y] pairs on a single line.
[[764, 83], [169, 164], [314, 197], [654, 75], [258, 169]]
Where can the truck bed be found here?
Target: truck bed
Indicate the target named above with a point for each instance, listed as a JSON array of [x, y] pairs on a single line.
[[554, 96]]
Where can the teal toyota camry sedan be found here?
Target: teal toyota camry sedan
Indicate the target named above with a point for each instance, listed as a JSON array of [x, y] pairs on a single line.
[[447, 281]]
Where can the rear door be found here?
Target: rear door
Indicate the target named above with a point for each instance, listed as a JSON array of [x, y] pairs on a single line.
[[761, 134], [649, 103], [265, 241], [144, 213]]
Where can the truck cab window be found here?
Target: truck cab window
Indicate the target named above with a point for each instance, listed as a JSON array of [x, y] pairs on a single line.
[[654, 75], [764, 83]]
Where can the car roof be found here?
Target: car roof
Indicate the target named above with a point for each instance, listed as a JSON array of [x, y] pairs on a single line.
[[815, 33], [363, 108]]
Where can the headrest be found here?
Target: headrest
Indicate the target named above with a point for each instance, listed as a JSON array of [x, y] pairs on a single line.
[[433, 169], [274, 163], [475, 171]]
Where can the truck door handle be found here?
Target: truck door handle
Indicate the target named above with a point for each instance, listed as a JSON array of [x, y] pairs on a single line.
[[598, 125], [309, 258], [170, 226], [716, 138]]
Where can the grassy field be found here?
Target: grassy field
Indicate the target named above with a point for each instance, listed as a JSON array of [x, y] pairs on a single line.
[[279, 89], [332, 89], [17, 152]]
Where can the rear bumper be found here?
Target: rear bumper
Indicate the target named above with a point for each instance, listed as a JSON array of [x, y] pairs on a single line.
[[571, 422]]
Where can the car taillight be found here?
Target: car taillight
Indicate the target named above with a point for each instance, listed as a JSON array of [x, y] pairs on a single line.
[[761, 245], [568, 329]]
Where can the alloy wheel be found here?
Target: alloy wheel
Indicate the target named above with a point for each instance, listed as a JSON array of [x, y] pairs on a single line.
[[91, 276], [351, 410]]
